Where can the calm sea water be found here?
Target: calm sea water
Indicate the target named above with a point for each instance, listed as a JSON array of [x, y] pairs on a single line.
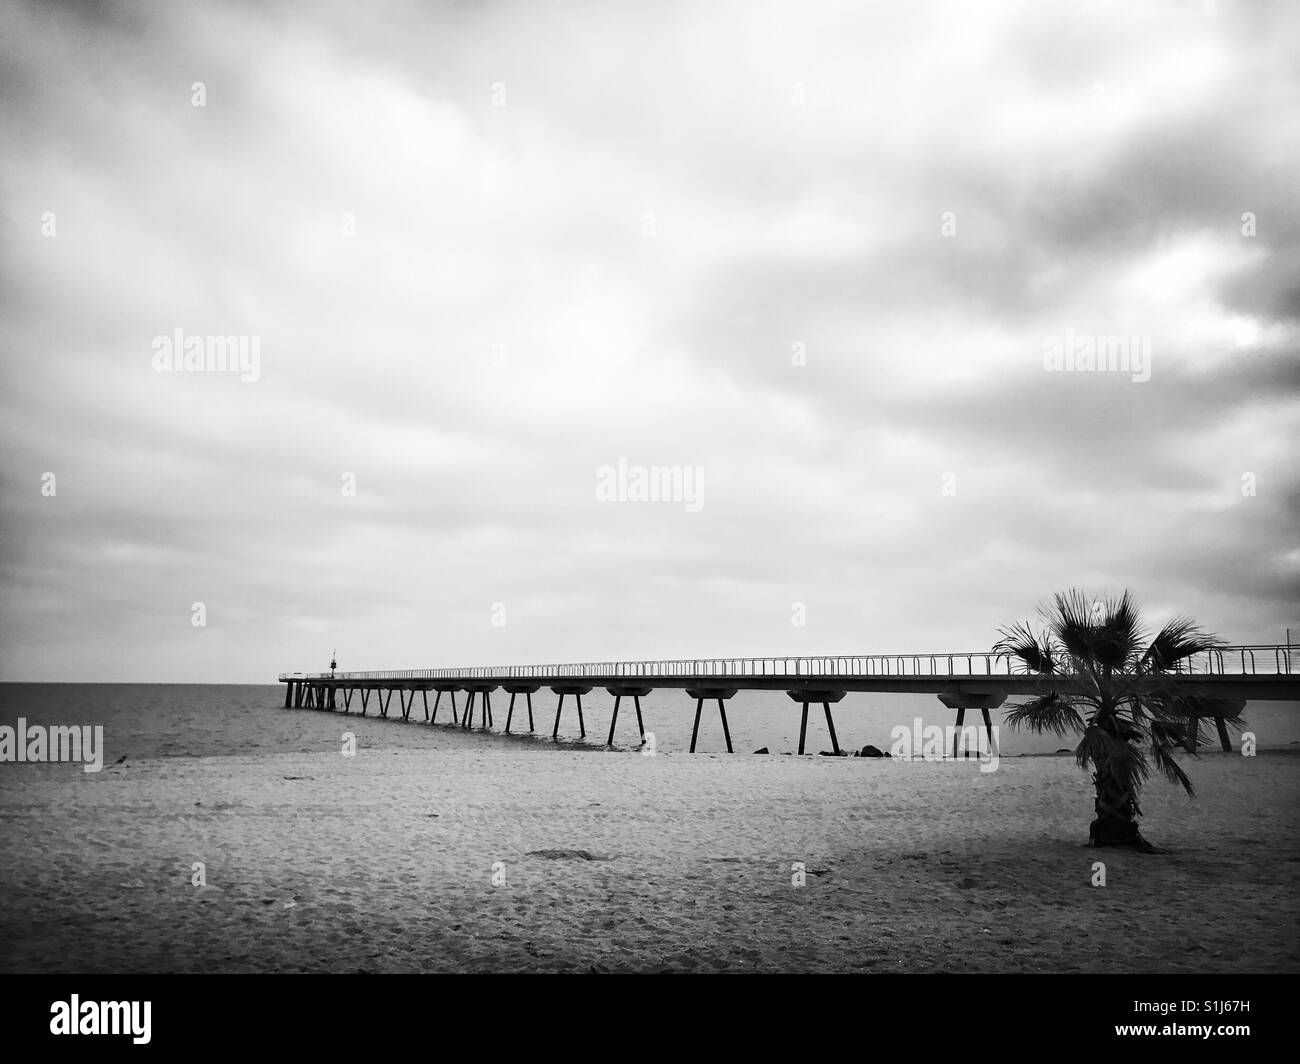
[[200, 720]]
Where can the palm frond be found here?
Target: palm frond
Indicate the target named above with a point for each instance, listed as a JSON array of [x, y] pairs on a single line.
[[1175, 733], [1127, 763], [1164, 758], [1180, 705], [1117, 640], [1030, 649], [1047, 713], [1073, 624], [1178, 640], [1092, 748], [1104, 752]]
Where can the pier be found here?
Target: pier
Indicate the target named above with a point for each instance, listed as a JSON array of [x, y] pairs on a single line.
[[977, 680]]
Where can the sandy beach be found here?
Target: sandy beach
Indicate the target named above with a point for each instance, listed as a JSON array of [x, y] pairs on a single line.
[[385, 862]]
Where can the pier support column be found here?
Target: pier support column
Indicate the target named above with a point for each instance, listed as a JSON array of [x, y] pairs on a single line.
[[718, 694], [288, 693], [484, 692], [962, 702], [365, 698], [620, 692], [520, 689], [806, 695], [347, 699], [577, 690], [384, 703], [1220, 724], [443, 689]]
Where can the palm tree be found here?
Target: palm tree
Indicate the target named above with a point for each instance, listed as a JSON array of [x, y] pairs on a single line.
[[1103, 680]]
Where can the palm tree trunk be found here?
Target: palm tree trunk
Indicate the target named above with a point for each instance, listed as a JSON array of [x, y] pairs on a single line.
[[1117, 812]]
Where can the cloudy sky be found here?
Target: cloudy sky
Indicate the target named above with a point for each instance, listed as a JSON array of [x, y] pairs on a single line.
[[810, 257]]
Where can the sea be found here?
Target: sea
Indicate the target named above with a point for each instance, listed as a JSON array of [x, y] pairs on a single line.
[[218, 720]]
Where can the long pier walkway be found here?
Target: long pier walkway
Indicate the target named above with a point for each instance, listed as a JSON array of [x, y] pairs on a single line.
[[968, 680]]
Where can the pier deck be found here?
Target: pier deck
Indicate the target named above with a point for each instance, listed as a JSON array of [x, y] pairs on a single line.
[[968, 680]]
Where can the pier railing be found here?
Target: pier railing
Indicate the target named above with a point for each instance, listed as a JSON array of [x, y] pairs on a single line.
[[1259, 660]]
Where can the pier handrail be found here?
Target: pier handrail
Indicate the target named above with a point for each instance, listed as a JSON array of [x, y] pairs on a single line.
[[1273, 659]]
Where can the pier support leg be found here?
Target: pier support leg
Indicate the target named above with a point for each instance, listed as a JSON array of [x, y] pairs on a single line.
[[722, 711], [619, 694], [830, 724], [455, 717], [288, 693], [365, 699], [407, 706], [562, 690], [695, 731], [347, 700], [962, 702], [385, 703], [613, 720], [467, 721], [487, 703], [713, 694], [425, 696], [806, 696], [515, 692]]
